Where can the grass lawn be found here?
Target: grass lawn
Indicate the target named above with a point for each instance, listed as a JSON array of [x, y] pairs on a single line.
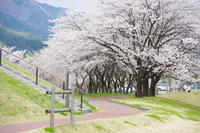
[[166, 116], [21, 103], [166, 105], [190, 98]]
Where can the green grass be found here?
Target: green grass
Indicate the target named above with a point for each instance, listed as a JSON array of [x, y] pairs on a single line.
[[157, 117], [86, 103], [98, 127], [190, 98], [130, 123], [20, 102], [25, 72], [98, 95], [92, 107], [49, 129], [162, 108], [15, 67]]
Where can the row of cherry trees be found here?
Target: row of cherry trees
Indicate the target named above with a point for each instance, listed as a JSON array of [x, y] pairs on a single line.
[[106, 78], [136, 41]]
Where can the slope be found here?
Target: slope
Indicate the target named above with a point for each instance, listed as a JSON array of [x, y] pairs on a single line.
[[21, 103]]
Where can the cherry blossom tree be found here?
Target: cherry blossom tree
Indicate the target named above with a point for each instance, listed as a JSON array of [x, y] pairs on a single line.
[[145, 38], [11, 58]]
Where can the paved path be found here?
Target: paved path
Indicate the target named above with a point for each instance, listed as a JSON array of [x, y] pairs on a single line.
[[112, 110]]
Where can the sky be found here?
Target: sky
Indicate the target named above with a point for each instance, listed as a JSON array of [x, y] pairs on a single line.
[[82, 5]]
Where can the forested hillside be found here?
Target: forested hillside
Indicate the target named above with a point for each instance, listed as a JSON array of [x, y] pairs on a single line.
[[20, 40], [24, 24]]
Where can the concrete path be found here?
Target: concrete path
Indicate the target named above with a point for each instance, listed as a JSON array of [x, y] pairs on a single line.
[[111, 110]]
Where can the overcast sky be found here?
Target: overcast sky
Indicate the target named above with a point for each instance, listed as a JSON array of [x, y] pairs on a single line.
[[82, 5]]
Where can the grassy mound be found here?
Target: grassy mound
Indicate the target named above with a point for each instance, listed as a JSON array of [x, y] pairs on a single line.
[[162, 107], [20, 102], [190, 98]]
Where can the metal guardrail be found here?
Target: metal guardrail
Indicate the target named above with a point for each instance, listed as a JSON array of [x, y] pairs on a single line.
[[38, 70]]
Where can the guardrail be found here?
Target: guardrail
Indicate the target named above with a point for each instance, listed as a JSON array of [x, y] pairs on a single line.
[[41, 74]]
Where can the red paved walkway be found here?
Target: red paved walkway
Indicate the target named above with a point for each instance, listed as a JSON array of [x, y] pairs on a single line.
[[112, 110]]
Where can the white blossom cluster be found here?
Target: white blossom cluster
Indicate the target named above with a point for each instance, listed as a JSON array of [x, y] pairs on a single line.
[[159, 37]]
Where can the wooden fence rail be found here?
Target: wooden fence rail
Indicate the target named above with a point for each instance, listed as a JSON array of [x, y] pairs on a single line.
[[52, 109]]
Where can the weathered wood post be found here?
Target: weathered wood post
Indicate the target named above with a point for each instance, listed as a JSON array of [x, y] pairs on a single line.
[[72, 106], [81, 99], [0, 57], [67, 88], [63, 89], [52, 108], [36, 76]]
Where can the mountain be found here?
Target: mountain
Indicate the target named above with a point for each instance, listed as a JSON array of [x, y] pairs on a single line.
[[26, 17], [20, 40]]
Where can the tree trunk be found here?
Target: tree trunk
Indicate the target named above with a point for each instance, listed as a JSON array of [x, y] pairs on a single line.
[[139, 90], [146, 87], [90, 85], [154, 81]]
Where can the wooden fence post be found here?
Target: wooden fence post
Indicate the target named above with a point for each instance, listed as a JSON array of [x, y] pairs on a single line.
[[52, 108], [81, 100], [0, 57], [72, 106], [67, 88], [64, 89], [36, 76]]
